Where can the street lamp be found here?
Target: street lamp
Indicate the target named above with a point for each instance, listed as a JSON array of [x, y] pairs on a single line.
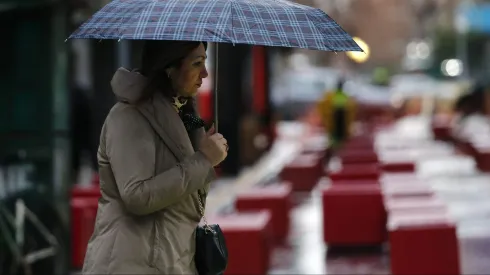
[[360, 57]]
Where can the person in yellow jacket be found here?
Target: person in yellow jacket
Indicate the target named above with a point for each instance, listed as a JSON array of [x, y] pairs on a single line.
[[337, 111]]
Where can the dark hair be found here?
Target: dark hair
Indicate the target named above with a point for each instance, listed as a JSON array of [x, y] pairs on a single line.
[[158, 56]]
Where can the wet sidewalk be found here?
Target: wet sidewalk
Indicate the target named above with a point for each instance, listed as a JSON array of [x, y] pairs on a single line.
[[454, 178]]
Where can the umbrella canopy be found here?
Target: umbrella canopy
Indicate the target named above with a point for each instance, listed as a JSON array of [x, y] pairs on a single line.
[[279, 23]]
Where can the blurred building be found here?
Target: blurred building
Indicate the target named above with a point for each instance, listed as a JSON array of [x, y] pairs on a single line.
[[386, 26], [34, 102], [34, 125]]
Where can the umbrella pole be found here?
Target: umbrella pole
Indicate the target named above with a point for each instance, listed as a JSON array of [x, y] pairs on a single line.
[[216, 86]]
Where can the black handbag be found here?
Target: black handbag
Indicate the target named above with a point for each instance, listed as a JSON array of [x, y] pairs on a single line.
[[211, 253]]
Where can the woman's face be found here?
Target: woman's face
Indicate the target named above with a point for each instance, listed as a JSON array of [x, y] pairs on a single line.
[[187, 79]]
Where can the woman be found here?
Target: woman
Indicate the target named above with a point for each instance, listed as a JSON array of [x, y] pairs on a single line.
[[155, 165]]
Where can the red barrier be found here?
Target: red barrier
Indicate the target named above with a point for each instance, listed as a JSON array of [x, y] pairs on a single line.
[[422, 244], [466, 147], [441, 132], [395, 167], [356, 172], [358, 157], [83, 214], [304, 172], [248, 237], [355, 182], [482, 158], [274, 198], [92, 191], [353, 215], [358, 143], [441, 127]]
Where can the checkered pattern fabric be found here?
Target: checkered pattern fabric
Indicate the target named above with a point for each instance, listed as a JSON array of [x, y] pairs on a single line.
[[279, 23]]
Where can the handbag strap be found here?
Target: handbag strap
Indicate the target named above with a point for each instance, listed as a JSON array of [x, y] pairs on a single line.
[[202, 210]]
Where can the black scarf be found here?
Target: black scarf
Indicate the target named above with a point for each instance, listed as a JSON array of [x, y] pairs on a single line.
[[189, 118]]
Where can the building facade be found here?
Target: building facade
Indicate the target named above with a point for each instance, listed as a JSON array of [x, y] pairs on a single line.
[[386, 26]]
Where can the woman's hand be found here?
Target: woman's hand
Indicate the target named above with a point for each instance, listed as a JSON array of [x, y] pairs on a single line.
[[214, 146]]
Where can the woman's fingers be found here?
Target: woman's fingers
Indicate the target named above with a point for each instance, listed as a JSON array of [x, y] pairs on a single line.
[[211, 131]]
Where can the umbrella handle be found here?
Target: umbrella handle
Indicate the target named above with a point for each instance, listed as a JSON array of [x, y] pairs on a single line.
[[215, 74]]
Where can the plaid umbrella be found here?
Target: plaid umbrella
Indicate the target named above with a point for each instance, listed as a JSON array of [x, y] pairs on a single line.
[[279, 23]]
